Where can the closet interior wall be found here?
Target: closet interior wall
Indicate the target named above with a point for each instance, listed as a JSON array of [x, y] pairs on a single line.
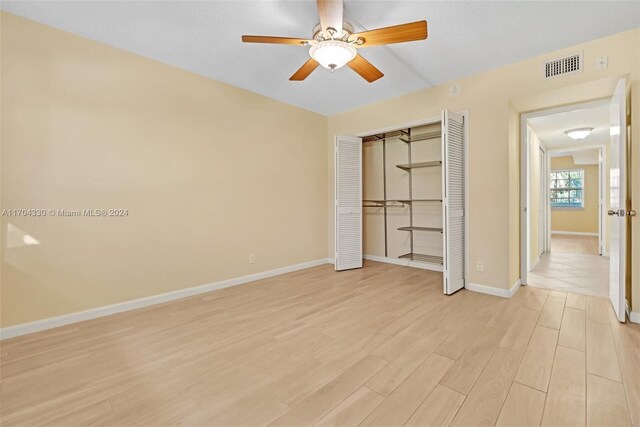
[[402, 195]]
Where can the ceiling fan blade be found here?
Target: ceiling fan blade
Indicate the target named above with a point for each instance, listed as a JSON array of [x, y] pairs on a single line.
[[330, 12], [396, 34], [305, 70], [274, 40], [365, 69]]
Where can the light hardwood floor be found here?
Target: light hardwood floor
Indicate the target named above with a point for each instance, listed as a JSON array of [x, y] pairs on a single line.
[[573, 265], [570, 244], [376, 346]]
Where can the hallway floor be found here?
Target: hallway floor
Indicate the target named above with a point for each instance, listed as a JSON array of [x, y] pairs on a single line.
[[573, 265]]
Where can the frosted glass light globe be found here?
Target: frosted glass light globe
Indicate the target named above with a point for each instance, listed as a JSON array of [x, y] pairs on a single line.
[[332, 54]]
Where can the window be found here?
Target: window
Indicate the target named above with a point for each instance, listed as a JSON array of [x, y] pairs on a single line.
[[567, 188]]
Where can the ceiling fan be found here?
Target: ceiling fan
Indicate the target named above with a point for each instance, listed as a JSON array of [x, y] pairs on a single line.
[[334, 44]]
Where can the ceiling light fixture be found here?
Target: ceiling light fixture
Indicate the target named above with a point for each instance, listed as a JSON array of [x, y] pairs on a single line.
[[333, 54], [580, 133]]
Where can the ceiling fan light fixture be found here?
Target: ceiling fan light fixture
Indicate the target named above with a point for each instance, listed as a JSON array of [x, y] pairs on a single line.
[[333, 54], [580, 133]]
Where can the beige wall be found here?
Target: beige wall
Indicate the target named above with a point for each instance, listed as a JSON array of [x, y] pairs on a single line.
[[204, 189], [494, 100], [578, 220], [209, 173]]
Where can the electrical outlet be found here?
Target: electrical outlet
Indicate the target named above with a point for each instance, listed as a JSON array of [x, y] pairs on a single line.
[[252, 258], [602, 62], [480, 266]]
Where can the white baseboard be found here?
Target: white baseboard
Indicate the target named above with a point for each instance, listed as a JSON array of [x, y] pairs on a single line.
[[490, 290], [634, 316], [515, 287], [574, 233], [54, 322], [405, 262]]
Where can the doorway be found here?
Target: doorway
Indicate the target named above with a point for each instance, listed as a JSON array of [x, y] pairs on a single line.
[[567, 194]]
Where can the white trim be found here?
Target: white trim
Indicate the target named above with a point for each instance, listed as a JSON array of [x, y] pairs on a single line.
[[574, 233], [490, 290], [634, 316], [412, 124], [405, 262], [515, 287], [93, 313]]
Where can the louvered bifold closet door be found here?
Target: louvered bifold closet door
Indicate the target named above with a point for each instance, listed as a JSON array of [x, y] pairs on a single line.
[[348, 191], [453, 152]]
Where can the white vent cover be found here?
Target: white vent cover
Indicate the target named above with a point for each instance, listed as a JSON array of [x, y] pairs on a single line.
[[559, 67]]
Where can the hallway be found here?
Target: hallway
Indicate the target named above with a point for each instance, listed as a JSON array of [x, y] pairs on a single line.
[[573, 265]]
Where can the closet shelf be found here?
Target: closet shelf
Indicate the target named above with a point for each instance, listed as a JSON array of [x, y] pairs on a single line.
[[421, 137], [432, 259], [407, 167], [414, 228]]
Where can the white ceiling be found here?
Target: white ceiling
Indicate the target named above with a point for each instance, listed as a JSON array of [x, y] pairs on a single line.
[[585, 156], [465, 37], [550, 129]]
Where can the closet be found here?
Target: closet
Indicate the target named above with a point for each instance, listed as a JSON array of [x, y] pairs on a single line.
[[400, 198]]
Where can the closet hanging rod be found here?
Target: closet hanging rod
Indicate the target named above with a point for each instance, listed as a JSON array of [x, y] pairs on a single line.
[[420, 200], [384, 203], [384, 136], [422, 137]]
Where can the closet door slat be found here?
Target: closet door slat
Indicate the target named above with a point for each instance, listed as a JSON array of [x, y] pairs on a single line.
[[453, 152], [348, 202]]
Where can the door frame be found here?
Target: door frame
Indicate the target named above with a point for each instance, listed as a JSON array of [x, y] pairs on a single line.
[[525, 216], [428, 121]]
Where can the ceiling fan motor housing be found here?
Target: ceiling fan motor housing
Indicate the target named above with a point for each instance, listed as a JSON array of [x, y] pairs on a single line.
[[319, 35]]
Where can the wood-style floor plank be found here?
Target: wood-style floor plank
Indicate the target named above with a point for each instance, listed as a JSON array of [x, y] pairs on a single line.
[[573, 329], [466, 370], [402, 403], [523, 407], [576, 301], [566, 398], [551, 316], [537, 362], [519, 332], [484, 403], [602, 358], [377, 346], [353, 410], [606, 403], [597, 309], [314, 407], [392, 375], [438, 409], [627, 338]]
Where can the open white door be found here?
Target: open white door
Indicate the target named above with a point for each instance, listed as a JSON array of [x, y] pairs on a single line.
[[453, 193], [542, 202], [618, 199], [348, 194]]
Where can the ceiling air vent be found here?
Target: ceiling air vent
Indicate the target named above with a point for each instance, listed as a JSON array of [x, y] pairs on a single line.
[[560, 67]]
